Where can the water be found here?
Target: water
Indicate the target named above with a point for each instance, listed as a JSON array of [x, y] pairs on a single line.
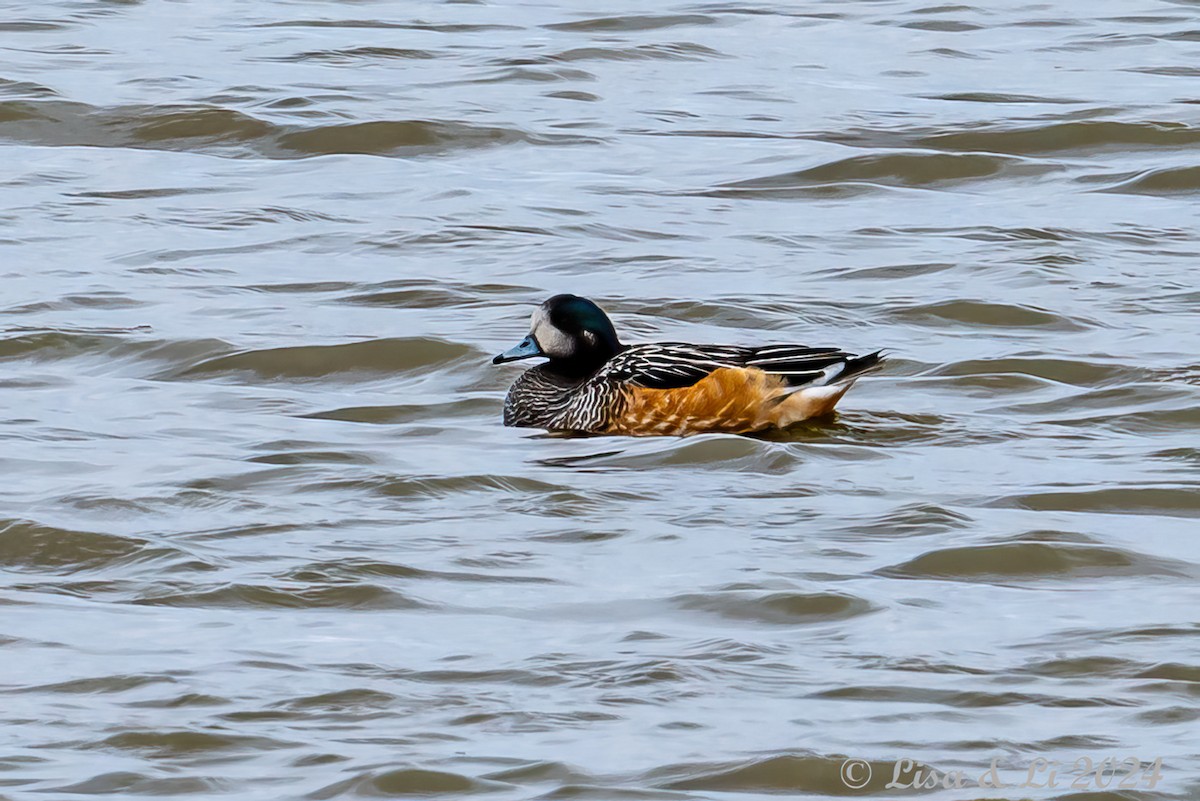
[[264, 536]]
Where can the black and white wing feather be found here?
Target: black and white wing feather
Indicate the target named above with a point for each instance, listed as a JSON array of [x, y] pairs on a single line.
[[673, 365]]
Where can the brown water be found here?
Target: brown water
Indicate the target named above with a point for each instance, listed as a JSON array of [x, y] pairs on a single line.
[[264, 537]]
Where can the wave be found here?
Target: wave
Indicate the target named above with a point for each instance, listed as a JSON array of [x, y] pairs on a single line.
[[236, 134], [916, 170]]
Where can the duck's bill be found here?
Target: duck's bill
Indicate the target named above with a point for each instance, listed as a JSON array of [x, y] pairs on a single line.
[[528, 348]]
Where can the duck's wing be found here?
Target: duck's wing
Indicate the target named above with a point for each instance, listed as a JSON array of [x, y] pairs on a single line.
[[673, 365]]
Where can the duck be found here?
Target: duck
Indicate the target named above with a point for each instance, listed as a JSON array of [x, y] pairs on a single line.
[[592, 383]]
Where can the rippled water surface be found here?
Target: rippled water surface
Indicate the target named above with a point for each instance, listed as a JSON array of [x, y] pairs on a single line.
[[263, 536]]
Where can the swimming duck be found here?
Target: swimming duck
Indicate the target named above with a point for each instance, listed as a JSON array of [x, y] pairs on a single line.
[[593, 383]]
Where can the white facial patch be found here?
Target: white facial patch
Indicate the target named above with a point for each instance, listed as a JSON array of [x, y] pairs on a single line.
[[553, 342]]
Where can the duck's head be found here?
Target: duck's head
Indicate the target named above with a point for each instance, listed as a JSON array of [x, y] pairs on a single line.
[[572, 332]]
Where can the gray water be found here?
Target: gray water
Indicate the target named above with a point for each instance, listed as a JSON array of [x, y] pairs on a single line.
[[262, 535]]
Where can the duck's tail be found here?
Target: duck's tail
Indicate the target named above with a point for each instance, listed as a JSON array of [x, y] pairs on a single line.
[[845, 372], [819, 396], [857, 366]]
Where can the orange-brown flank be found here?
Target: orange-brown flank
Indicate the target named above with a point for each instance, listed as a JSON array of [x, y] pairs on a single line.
[[736, 400]]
